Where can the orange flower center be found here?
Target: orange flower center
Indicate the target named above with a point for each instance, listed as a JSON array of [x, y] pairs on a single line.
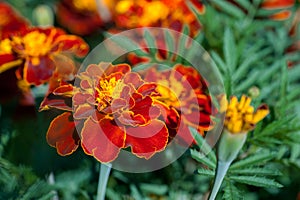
[[241, 117], [35, 43], [152, 12], [108, 90], [169, 95], [85, 5]]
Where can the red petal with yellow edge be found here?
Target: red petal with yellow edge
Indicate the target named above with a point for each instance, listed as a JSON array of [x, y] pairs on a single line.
[[143, 106], [147, 140], [38, 73], [122, 68], [94, 70], [129, 119], [5, 58], [58, 102], [84, 111], [102, 140], [148, 89], [65, 90], [72, 44], [62, 135]]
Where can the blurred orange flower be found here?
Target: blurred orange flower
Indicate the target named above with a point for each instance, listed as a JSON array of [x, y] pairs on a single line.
[[79, 17], [166, 13], [39, 53]]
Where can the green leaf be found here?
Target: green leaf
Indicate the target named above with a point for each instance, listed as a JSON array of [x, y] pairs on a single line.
[[135, 193], [256, 181], [229, 8], [170, 43], [274, 126], [154, 188], [229, 49], [245, 4], [220, 63], [256, 159], [247, 64], [231, 192], [250, 81], [206, 172], [256, 171], [111, 194], [150, 41], [202, 159], [202, 144]]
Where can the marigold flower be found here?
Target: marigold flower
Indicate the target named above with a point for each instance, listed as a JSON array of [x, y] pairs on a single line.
[[184, 92], [114, 109], [166, 13], [241, 117], [79, 17], [43, 52]]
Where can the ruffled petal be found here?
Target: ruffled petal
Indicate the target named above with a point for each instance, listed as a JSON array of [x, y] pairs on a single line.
[[72, 44], [147, 140], [84, 111], [62, 135], [102, 139]]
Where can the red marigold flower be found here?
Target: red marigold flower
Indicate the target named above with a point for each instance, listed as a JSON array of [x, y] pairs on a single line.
[[117, 109], [79, 17], [185, 91], [43, 52], [10, 21]]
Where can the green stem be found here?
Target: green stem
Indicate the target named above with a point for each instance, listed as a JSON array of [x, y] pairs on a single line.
[[222, 169], [103, 178]]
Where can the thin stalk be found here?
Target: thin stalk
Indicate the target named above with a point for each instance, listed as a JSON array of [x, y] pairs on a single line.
[[103, 178], [222, 169]]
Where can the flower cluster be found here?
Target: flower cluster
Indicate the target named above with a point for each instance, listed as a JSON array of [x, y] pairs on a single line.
[[240, 116], [115, 108], [79, 17]]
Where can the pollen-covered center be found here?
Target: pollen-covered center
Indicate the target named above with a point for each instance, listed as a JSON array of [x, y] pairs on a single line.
[[35, 43], [241, 117], [107, 90]]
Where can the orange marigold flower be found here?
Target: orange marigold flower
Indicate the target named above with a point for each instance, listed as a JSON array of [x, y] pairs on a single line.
[[43, 52], [169, 14], [79, 17], [184, 91], [10, 21], [241, 117], [114, 109]]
